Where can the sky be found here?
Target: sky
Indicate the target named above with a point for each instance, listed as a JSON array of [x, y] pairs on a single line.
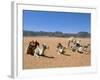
[[66, 22]]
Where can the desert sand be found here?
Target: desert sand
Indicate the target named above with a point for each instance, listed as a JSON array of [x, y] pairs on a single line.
[[52, 58]]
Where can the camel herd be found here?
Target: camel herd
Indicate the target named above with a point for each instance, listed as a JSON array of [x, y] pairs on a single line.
[[35, 49], [76, 45]]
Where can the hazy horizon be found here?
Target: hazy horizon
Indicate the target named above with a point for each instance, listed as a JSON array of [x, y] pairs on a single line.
[[58, 31]]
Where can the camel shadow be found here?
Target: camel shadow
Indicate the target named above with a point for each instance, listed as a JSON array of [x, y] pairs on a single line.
[[47, 56], [66, 54]]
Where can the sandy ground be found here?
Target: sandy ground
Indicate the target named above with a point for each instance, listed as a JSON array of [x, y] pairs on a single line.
[[52, 58]]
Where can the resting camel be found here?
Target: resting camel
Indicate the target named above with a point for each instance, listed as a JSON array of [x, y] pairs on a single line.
[[77, 46], [39, 50], [71, 40], [60, 48], [32, 46]]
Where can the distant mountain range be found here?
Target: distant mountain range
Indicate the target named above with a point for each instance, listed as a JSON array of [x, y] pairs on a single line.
[[56, 34]]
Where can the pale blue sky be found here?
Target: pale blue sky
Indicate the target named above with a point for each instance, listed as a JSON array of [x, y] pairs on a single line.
[[48, 21]]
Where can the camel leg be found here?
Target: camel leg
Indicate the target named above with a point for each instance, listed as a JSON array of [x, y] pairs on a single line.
[[36, 55]]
